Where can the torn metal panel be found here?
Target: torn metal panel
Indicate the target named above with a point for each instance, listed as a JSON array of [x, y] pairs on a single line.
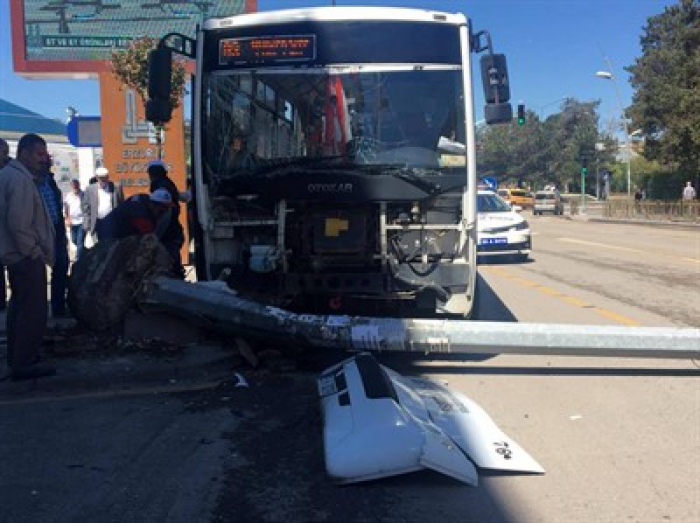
[[467, 425], [220, 309], [378, 423]]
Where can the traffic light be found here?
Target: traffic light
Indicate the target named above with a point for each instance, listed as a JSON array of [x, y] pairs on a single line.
[[584, 170], [521, 114]]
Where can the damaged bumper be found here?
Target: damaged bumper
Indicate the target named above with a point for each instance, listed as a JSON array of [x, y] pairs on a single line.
[[378, 423]]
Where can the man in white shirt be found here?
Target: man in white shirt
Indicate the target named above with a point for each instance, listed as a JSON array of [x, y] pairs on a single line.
[[73, 210], [99, 200], [688, 191]]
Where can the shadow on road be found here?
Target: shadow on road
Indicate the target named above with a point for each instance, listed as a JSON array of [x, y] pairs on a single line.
[[488, 306], [504, 260], [280, 473], [448, 368]]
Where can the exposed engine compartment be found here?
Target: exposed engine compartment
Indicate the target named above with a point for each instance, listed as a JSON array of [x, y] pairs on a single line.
[[315, 255]]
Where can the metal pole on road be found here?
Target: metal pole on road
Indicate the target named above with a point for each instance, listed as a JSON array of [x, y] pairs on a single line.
[[218, 308]]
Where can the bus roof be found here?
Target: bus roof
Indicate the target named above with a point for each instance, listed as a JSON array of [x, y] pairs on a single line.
[[336, 14]]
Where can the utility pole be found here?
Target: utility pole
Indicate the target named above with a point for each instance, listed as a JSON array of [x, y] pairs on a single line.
[[608, 75]]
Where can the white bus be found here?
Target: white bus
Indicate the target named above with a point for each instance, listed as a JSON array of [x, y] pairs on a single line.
[[334, 155]]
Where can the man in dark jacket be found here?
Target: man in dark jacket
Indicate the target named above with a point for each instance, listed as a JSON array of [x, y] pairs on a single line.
[[53, 199], [26, 247], [170, 230], [137, 215]]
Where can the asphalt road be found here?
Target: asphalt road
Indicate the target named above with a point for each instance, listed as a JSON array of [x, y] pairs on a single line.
[[599, 273], [619, 438], [129, 435]]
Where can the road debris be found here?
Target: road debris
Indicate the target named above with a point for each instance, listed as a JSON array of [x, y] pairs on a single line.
[[242, 382]]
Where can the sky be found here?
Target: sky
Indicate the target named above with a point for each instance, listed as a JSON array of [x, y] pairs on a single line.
[[553, 48]]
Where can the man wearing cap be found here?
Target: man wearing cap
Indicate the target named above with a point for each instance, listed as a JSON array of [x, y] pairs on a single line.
[[26, 248], [169, 228], [137, 215], [99, 200]]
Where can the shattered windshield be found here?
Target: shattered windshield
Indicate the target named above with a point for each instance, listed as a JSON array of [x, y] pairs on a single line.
[[402, 118]]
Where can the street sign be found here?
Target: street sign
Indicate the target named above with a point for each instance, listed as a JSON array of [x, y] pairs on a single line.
[[490, 181], [85, 131]]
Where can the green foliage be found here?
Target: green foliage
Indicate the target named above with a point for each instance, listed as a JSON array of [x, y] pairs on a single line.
[[511, 151], [666, 104], [130, 67], [553, 151], [663, 185]]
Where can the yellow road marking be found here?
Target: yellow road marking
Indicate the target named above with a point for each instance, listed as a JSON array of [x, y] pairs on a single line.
[[549, 290], [596, 244], [619, 318], [525, 281], [576, 302], [571, 300]]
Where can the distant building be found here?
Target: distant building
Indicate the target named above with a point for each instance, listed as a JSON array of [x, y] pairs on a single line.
[[69, 162], [16, 121]]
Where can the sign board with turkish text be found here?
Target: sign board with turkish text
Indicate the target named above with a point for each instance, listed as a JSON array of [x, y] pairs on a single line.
[[67, 37], [129, 141]]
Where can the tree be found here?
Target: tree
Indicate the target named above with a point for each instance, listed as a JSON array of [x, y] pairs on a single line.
[[553, 151], [512, 152], [666, 104], [130, 67]]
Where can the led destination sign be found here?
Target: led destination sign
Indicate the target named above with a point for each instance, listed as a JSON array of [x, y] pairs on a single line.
[[267, 49]]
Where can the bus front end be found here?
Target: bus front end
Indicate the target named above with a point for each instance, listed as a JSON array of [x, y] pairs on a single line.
[[334, 167]]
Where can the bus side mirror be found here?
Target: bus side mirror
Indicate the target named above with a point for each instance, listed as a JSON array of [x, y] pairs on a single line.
[[160, 66], [494, 76]]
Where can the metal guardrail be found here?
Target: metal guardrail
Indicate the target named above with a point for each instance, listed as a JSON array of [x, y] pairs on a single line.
[[675, 211]]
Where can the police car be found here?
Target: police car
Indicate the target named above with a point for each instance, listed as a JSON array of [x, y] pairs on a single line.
[[501, 230]]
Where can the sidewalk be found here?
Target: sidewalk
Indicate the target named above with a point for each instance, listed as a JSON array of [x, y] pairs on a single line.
[[94, 373], [86, 367], [594, 213], [599, 218]]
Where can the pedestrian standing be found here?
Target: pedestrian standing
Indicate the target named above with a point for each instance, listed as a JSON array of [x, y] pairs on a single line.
[[4, 160], [688, 191], [53, 200], [99, 200], [170, 229], [26, 246], [72, 208]]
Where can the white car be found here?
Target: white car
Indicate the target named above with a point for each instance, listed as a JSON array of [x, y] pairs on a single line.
[[501, 230]]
